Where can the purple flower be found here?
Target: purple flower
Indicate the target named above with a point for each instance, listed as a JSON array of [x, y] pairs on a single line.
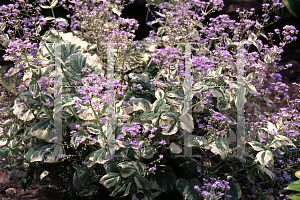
[[110, 157], [152, 168], [54, 138], [205, 193], [153, 129], [139, 86], [163, 142], [165, 127], [61, 155], [196, 187], [47, 149], [170, 80], [286, 176], [120, 137]]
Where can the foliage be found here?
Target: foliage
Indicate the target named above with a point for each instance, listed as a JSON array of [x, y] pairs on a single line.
[[152, 97], [293, 6], [295, 186]]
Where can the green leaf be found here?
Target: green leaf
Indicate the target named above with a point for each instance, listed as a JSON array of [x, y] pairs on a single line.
[[26, 181], [172, 130], [235, 191], [121, 190], [42, 130], [257, 146], [162, 180], [38, 29], [187, 122], [264, 157], [140, 79], [127, 171], [143, 194], [169, 116], [45, 182], [13, 130], [74, 65], [142, 182], [98, 156], [44, 174], [159, 93], [280, 140], [189, 169], [75, 136], [222, 105], [175, 148], [158, 13], [149, 115], [48, 18], [258, 45], [52, 5], [16, 173], [292, 6], [294, 186], [251, 89], [88, 191], [217, 92], [197, 141], [26, 113], [93, 128], [186, 188], [140, 167], [44, 98], [148, 152], [62, 20], [34, 88], [297, 174], [160, 31], [6, 123], [175, 98], [38, 153], [125, 164], [294, 196], [141, 104], [220, 146], [110, 179], [81, 178], [158, 105], [129, 94], [265, 173], [14, 144]]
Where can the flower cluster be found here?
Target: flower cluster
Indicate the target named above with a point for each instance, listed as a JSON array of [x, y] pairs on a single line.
[[213, 191]]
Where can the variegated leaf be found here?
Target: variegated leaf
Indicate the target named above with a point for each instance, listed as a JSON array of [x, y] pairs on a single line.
[[257, 146], [110, 179], [264, 157]]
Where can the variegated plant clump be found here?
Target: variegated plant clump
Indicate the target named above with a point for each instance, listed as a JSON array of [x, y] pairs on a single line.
[[143, 103]]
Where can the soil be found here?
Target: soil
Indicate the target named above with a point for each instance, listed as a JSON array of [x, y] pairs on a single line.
[[11, 189]]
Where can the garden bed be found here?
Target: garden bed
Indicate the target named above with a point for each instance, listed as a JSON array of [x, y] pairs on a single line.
[[11, 189]]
